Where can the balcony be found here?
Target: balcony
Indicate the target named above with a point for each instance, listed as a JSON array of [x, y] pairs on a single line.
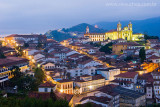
[[3, 78]]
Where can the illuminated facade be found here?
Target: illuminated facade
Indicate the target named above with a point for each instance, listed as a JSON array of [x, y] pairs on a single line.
[[125, 33], [6, 66]]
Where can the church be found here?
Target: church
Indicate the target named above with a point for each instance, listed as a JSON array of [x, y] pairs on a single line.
[[123, 33]]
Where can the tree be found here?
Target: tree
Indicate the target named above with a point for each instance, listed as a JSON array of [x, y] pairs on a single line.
[[31, 102], [107, 48], [150, 37], [39, 75], [2, 54], [128, 58], [39, 45], [53, 95], [142, 54], [16, 72], [20, 50], [26, 45]]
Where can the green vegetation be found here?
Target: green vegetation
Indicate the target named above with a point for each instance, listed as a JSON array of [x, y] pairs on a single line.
[[2, 54], [24, 83], [53, 95], [26, 45], [150, 37], [142, 54], [39, 46], [107, 48], [39, 75], [58, 36], [128, 58], [31, 102], [95, 44]]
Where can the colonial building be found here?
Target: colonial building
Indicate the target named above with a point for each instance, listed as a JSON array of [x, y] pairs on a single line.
[[108, 73], [7, 64], [125, 33], [81, 84], [126, 80], [32, 39], [46, 87]]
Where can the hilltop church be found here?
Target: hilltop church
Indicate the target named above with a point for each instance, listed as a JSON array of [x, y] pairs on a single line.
[[125, 33]]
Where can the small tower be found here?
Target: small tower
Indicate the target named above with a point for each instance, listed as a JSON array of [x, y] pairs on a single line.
[[130, 26], [87, 29], [119, 26]]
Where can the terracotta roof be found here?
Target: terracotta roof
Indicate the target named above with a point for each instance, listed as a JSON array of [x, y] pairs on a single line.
[[113, 30], [121, 81], [127, 75], [47, 84], [11, 61], [94, 34], [65, 80], [104, 100], [148, 77], [156, 47], [27, 36], [46, 95], [95, 77], [108, 89], [128, 43], [153, 57]]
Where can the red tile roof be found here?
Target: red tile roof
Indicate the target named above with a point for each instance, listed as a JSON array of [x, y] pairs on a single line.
[[104, 100], [127, 75], [153, 57], [46, 95], [47, 84], [148, 77], [11, 61]]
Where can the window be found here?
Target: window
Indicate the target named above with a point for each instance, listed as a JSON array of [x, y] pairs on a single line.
[[45, 90]]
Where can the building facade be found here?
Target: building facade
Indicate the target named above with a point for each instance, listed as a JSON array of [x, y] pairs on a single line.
[[125, 33]]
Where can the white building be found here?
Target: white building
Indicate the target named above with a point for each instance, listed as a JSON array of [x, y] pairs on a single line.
[[46, 87], [126, 80], [82, 71], [108, 73]]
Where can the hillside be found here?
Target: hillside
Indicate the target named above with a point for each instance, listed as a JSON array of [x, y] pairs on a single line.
[[73, 32], [148, 26]]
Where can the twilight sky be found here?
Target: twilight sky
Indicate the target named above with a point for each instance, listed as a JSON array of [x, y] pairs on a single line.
[[39, 16]]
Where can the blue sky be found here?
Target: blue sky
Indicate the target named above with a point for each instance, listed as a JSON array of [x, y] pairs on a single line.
[[39, 16]]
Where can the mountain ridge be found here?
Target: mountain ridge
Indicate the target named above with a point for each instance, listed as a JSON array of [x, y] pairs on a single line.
[[148, 26]]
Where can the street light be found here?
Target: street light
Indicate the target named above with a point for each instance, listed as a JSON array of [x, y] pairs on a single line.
[[90, 87], [61, 90]]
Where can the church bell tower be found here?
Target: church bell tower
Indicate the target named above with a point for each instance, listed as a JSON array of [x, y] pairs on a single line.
[[130, 26], [87, 29], [119, 29]]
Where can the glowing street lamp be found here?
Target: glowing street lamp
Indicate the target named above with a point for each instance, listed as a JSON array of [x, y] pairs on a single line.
[[30, 57], [90, 87], [38, 65], [61, 90], [33, 60]]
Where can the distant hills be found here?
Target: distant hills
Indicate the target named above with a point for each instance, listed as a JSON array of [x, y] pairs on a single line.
[[148, 26], [73, 32]]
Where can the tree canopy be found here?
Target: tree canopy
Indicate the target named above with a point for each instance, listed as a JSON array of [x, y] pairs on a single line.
[[107, 48], [32, 102], [24, 82], [2, 54], [150, 37], [142, 54], [39, 74]]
